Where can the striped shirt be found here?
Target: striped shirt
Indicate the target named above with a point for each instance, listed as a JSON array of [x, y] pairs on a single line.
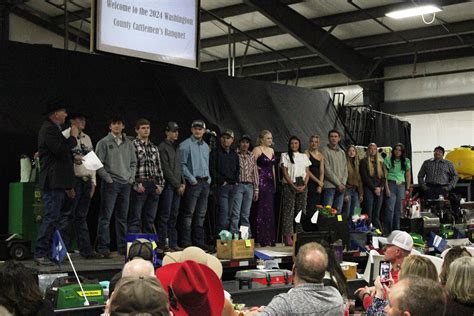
[[248, 169], [439, 172], [148, 162]]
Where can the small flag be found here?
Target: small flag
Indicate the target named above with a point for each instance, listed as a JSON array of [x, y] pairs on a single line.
[[437, 242], [58, 251]]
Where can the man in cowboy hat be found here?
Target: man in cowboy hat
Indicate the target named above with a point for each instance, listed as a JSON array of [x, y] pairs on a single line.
[[56, 174]]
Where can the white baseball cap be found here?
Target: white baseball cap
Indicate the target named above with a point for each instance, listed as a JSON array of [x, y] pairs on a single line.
[[400, 239]]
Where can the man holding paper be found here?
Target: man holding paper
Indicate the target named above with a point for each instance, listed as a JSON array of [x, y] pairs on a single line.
[[56, 175], [74, 213]]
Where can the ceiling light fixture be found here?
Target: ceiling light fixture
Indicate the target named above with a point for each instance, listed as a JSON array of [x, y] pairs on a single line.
[[419, 10]]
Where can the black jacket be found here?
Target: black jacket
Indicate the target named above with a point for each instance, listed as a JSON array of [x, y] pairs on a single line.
[[224, 166], [56, 162], [171, 163]]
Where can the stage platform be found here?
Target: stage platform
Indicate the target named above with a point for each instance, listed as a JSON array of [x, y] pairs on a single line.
[[104, 269]]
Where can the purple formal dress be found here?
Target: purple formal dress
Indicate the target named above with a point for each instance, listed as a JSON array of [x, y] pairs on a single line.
[[265, 203]]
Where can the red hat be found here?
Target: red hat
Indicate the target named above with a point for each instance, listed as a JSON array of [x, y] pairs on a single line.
[[193, 288]]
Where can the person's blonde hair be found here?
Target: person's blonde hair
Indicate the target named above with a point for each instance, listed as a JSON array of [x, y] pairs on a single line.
[[460, 285], [261, 136], [380, 172], [419, 266]]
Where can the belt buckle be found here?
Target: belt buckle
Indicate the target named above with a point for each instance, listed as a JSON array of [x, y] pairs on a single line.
[[398, 182], [85, 179]]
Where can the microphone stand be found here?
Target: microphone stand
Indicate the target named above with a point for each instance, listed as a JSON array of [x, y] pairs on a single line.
[[212, 218]]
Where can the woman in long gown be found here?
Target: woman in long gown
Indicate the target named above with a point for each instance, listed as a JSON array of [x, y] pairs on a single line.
[[265, 157], [316, 175]]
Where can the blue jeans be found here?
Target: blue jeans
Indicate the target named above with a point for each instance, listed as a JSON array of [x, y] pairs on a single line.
[[53, 202], [333, 197], [143, 210], [167, 216], [394, 207], [73, 219], [351, 203], [372, 205], [225, 194], [194, 213], [110, 193], [241, 207]]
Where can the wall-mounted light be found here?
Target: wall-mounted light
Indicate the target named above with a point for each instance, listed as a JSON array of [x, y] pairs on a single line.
[[419, 10]]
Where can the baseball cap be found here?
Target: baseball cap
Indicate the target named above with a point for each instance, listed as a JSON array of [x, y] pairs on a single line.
[[172, 127], [400, 239], [228, 132], [245, 136], [75, 115], [198, 123], [195, 254], [193, 288], [134, 295], [141, 248]]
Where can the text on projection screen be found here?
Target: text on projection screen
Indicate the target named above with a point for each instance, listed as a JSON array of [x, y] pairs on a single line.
[[161, 30]]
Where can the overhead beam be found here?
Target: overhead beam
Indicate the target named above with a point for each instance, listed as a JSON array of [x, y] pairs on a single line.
[[336, 19], [233, 10], [393, 61], [432, 32], [385, 52], [315, 38], [73, 16], [48, 25]]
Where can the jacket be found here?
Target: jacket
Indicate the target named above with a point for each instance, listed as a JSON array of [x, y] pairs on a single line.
[[56, 163], [171, 163]]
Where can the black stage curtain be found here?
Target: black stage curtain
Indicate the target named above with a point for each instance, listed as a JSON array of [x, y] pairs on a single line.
[[105, 85]]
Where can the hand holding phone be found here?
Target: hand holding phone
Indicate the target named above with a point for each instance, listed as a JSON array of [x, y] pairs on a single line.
[[384, 271]]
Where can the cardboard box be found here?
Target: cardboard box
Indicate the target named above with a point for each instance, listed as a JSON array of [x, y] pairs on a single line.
[[235, 249]]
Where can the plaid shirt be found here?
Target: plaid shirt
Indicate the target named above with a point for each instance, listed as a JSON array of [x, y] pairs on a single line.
[[440, 172], [148, 163]]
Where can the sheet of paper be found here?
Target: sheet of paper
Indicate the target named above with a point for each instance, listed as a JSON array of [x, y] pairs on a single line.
[[91, 161], [314, 218], [67, 132]]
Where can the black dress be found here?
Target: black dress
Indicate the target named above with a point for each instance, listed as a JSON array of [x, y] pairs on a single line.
[[314, 198]]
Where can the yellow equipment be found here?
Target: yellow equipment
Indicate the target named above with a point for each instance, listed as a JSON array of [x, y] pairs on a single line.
[[463, 160]]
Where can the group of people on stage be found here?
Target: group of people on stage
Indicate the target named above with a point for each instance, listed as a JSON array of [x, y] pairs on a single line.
[[144, 182]]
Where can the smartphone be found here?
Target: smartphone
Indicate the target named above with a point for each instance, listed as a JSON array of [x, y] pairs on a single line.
[[384, 271]]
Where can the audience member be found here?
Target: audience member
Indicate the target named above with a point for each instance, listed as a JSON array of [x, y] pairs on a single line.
[[415, 296], [309, 296], [192, 288], [138, 267], [449, 257], [149, 182], [399, 245], [413, 265], [170, 199], [373, 177], [437, 176], [139, 249], [194, 155], [399, 185], [139, 296], [265, 209], [418, 266], [295, 166], [117, 153], [460, 287], [354, 189], [316, 174], [335, 172], [20, 293], [225, 169]]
